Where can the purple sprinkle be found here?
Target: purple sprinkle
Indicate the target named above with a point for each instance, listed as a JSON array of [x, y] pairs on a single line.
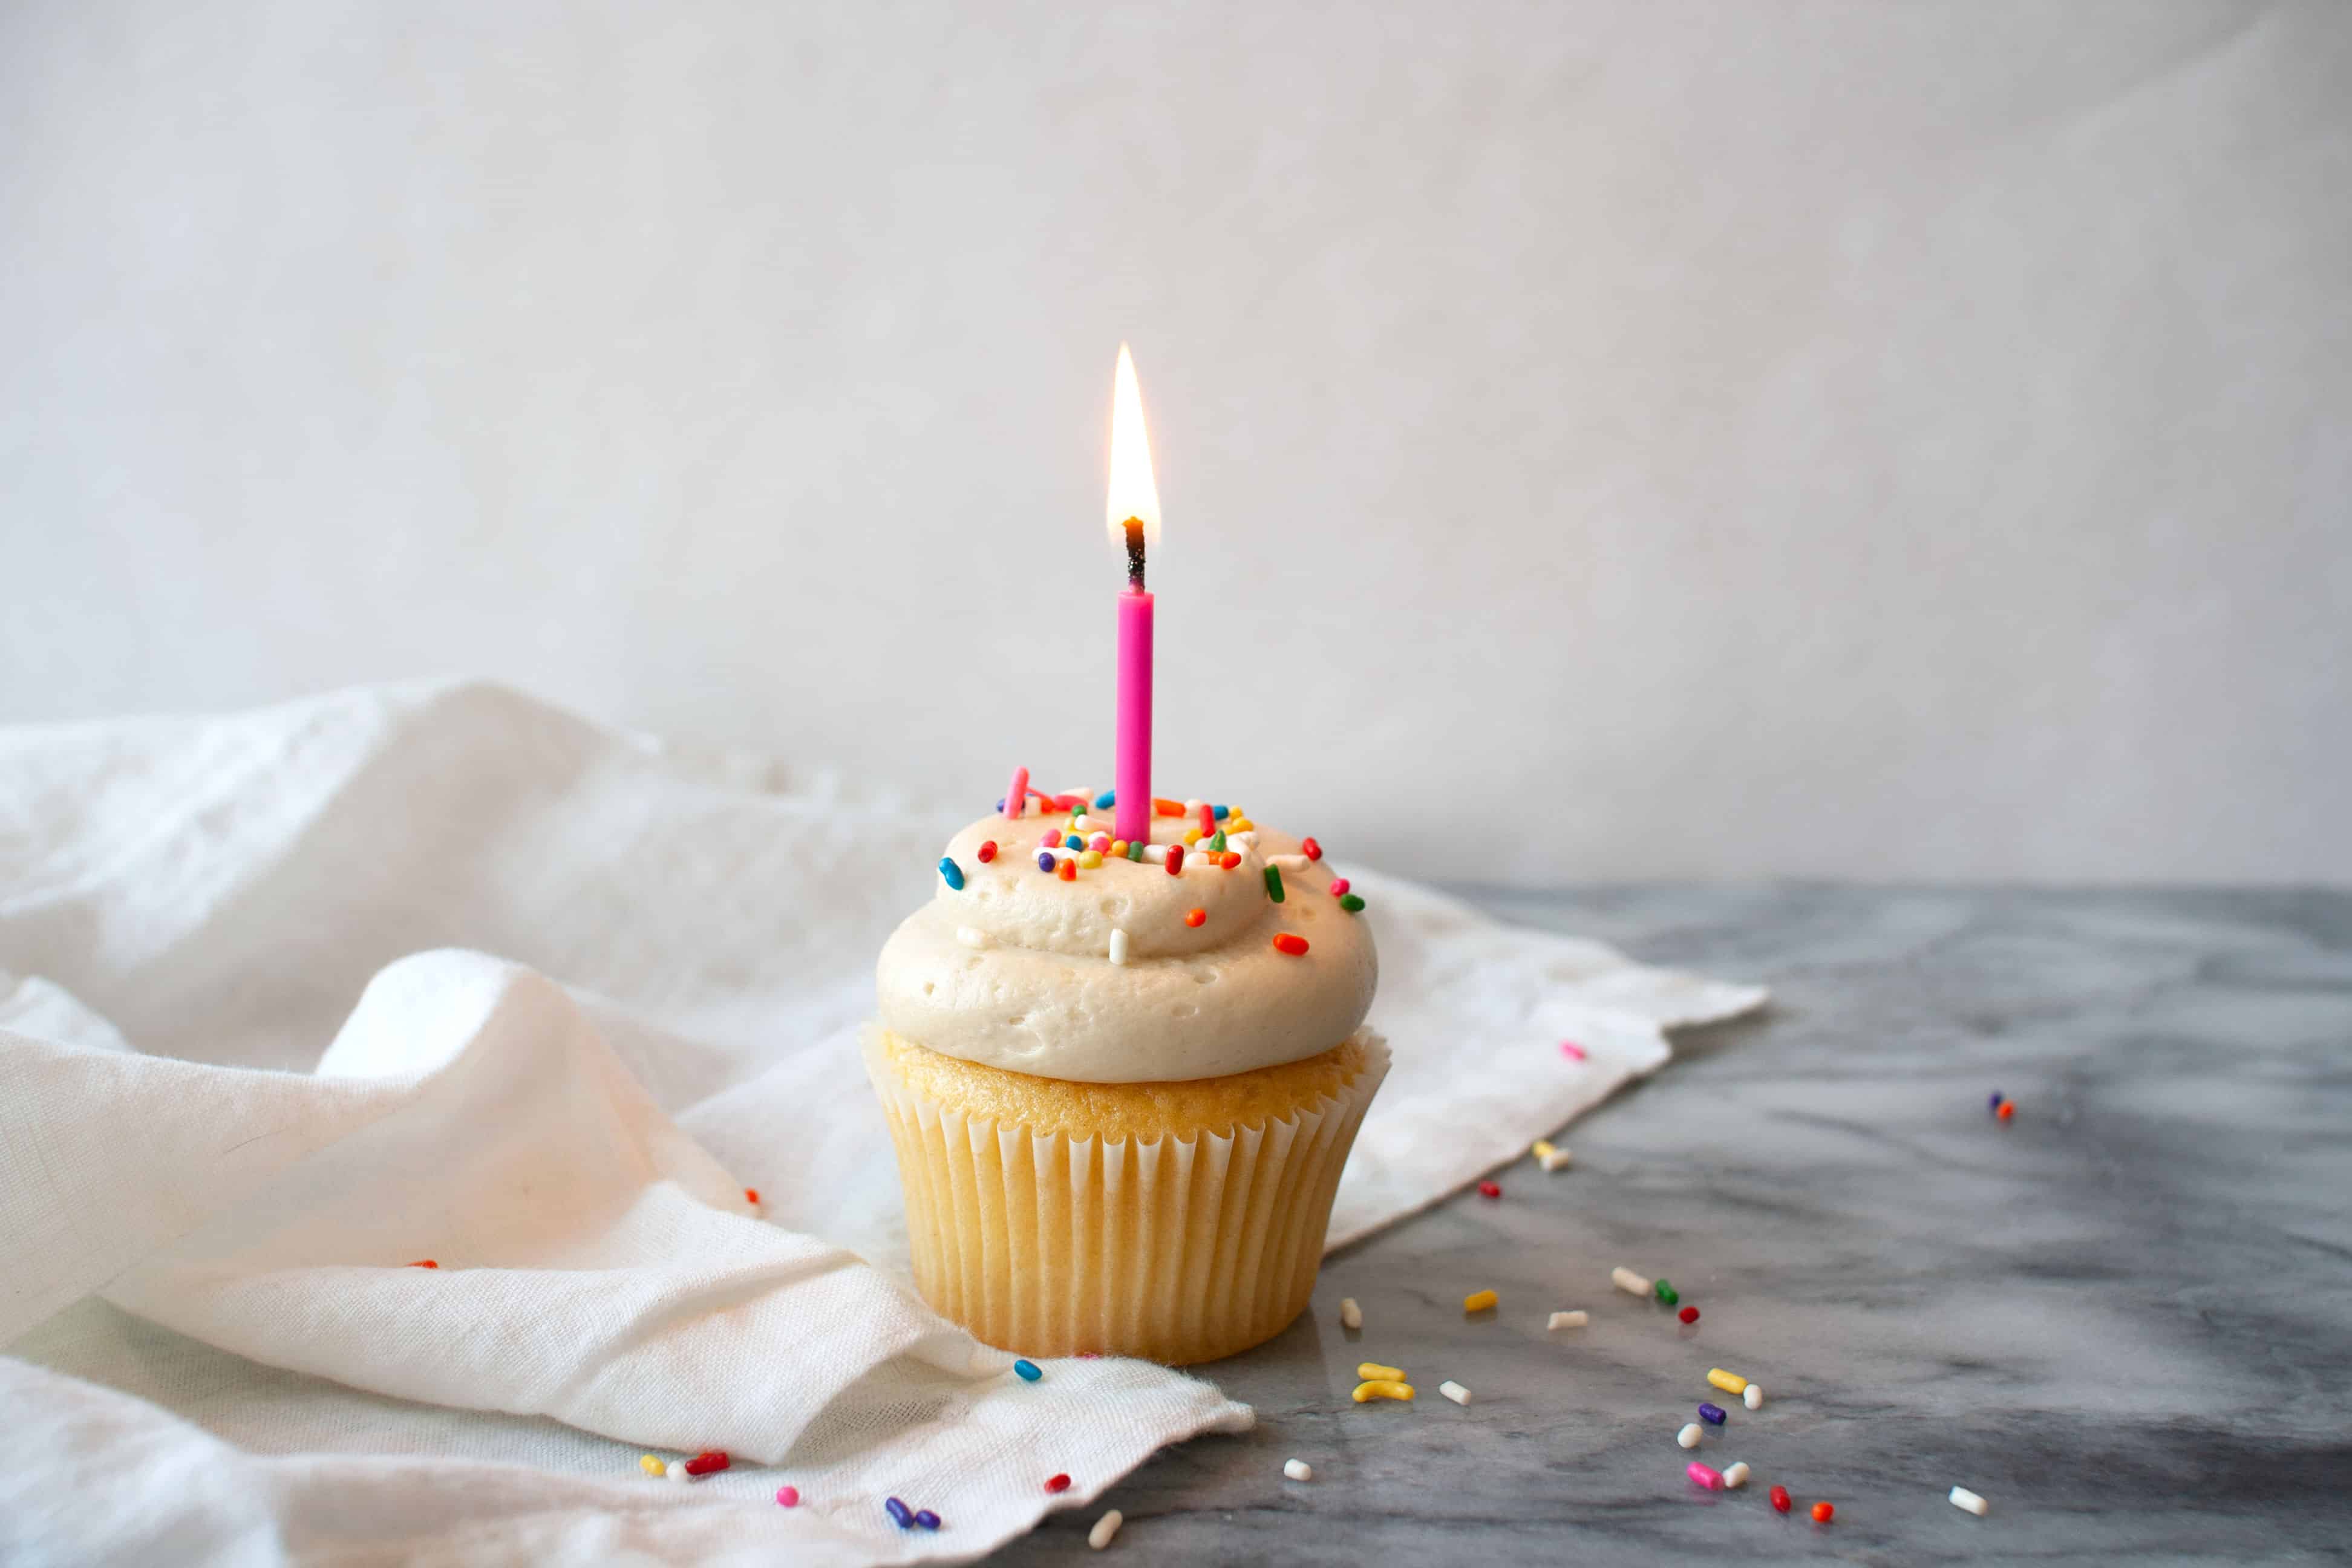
[[1711, 1414], [1994, 1103], [1045, 859], [901, 1515], [928, 1520]]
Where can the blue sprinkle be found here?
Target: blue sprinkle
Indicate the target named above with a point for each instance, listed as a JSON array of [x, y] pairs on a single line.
[[1000, 805], [1221, 812], [928, 1520], [1045, 859], [1072, 841], [1105, 800], [953, 872], [1994, 1103], [1028, 1371], [1711, 1414], [900, 1514]]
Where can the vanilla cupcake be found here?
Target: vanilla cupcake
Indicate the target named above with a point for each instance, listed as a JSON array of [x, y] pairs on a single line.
[[1121, 1093]]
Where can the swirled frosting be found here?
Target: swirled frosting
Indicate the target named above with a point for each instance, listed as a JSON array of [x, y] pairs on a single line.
[[1014, 969]]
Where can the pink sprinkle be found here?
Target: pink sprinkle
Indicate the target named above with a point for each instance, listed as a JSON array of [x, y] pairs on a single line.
[[1338, 886], [1707, 1475], [1016, 796], [1069, 803], [1100, 841], [1572, 1050], [1052, 840], [1090, 1355], [789, 1495]]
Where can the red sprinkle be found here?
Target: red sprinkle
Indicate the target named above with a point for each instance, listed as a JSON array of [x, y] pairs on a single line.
[[2008, 1108], [1823, 1513], [709, 1460], [750, 1195], [1058, 1483], [1572, 1050], [1290, 943], [987, 852], [1067, 870], [1780, 1499], [424, 1263], [1338, 886], [1312, 850], [1195, 917], [1175, 859], [1208, 820], [1490, 1189], [1688, 1315]]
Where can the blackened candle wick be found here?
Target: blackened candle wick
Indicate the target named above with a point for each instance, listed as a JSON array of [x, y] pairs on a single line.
[[1135, 555]]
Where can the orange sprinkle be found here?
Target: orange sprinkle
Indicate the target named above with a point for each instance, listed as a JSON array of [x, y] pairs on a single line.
[[2007, 1108], [424, 1263], [1067, 870], [1229, 859], [1289, 943], [1195, 917], [1166, 808], [750, 1195]]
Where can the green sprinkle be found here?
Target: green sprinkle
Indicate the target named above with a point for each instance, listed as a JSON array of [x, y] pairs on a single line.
[[1667, 1294], [1273, 881], [1349, 902], [1217, 842], [1135, 848]]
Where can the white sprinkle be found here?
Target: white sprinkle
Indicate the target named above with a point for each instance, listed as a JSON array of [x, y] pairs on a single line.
[[1077, 822], [1575, 1320], [1298, 1469], [971, 936], [1963, 1498], [1155, 854], [1752, 1397], [1626, 1279], [1105, 1528], [1350, 1315], [1454, 1392], [1118, 944], [1689, 1436], [676, 1472], [1554, 1159], [1287, 862], [1735, 1476], [1241, 843]]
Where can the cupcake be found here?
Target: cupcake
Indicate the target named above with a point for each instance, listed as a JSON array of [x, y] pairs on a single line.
[[1122, 1081]]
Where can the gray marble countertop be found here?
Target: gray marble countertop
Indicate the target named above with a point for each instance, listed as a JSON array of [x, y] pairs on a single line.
[[2123, 1316]]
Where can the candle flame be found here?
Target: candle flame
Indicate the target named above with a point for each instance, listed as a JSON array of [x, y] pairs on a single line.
[[1133, 492]]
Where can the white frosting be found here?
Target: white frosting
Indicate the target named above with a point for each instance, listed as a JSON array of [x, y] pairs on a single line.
[[1039, 994]]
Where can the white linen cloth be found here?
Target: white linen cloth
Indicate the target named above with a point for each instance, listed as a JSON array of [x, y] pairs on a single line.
[[216, 1350]]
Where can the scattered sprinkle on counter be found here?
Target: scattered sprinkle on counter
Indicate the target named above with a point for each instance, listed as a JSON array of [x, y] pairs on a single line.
[[2008, 1108], [1490, 1189], [1550, 1156], [1667, 1295], [1823, 1512], [1575, 1320], [1626, 1279], [1993, 1103], [652, 1466], [788, 1497], [1383, 1388], [1705, 1474], [1372, 1369], [1752, 1397], [1729, 1382], [1712, 1415], [1104, 1528], [1690, 1436], [1735, 1474], [1454, 1392], [1298, 1469], [1351, 1316], [1028, 1370], [1963, 1498], [1479, 1301], [1688, 1315], [1291, 943], [1058, 1483], [1780, 1496]]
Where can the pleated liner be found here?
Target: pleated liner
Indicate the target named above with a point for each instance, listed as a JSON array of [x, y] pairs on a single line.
[[1175, 1250]]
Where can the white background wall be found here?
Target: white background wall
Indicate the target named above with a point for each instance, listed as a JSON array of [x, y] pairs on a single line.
[[1597, 439]]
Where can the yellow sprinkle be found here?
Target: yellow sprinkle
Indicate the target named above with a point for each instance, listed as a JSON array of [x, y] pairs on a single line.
[[1118, 847], [1374, 1370], [1237, 823], [1729, 1382], [1191, 836], [1539, 1148], [651, 1466], [1479, 1302], [1089, 859], [1383, 1388]]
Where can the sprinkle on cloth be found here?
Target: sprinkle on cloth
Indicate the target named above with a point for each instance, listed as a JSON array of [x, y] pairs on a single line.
[[1479, 1302], [1454, 1392], [1351, 1316], [1104, 1528], [1058, 1483], [1029, 1370], [653, 1465], [900, 1514], [676, 1471], [788, 1497], [751, 1195], [1575, 1320], [711, 1461], [1383, 1388], [1572, 1050], [1298, 1469]]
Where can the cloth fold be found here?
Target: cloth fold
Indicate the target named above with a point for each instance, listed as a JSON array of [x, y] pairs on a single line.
[[189, 1186]]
